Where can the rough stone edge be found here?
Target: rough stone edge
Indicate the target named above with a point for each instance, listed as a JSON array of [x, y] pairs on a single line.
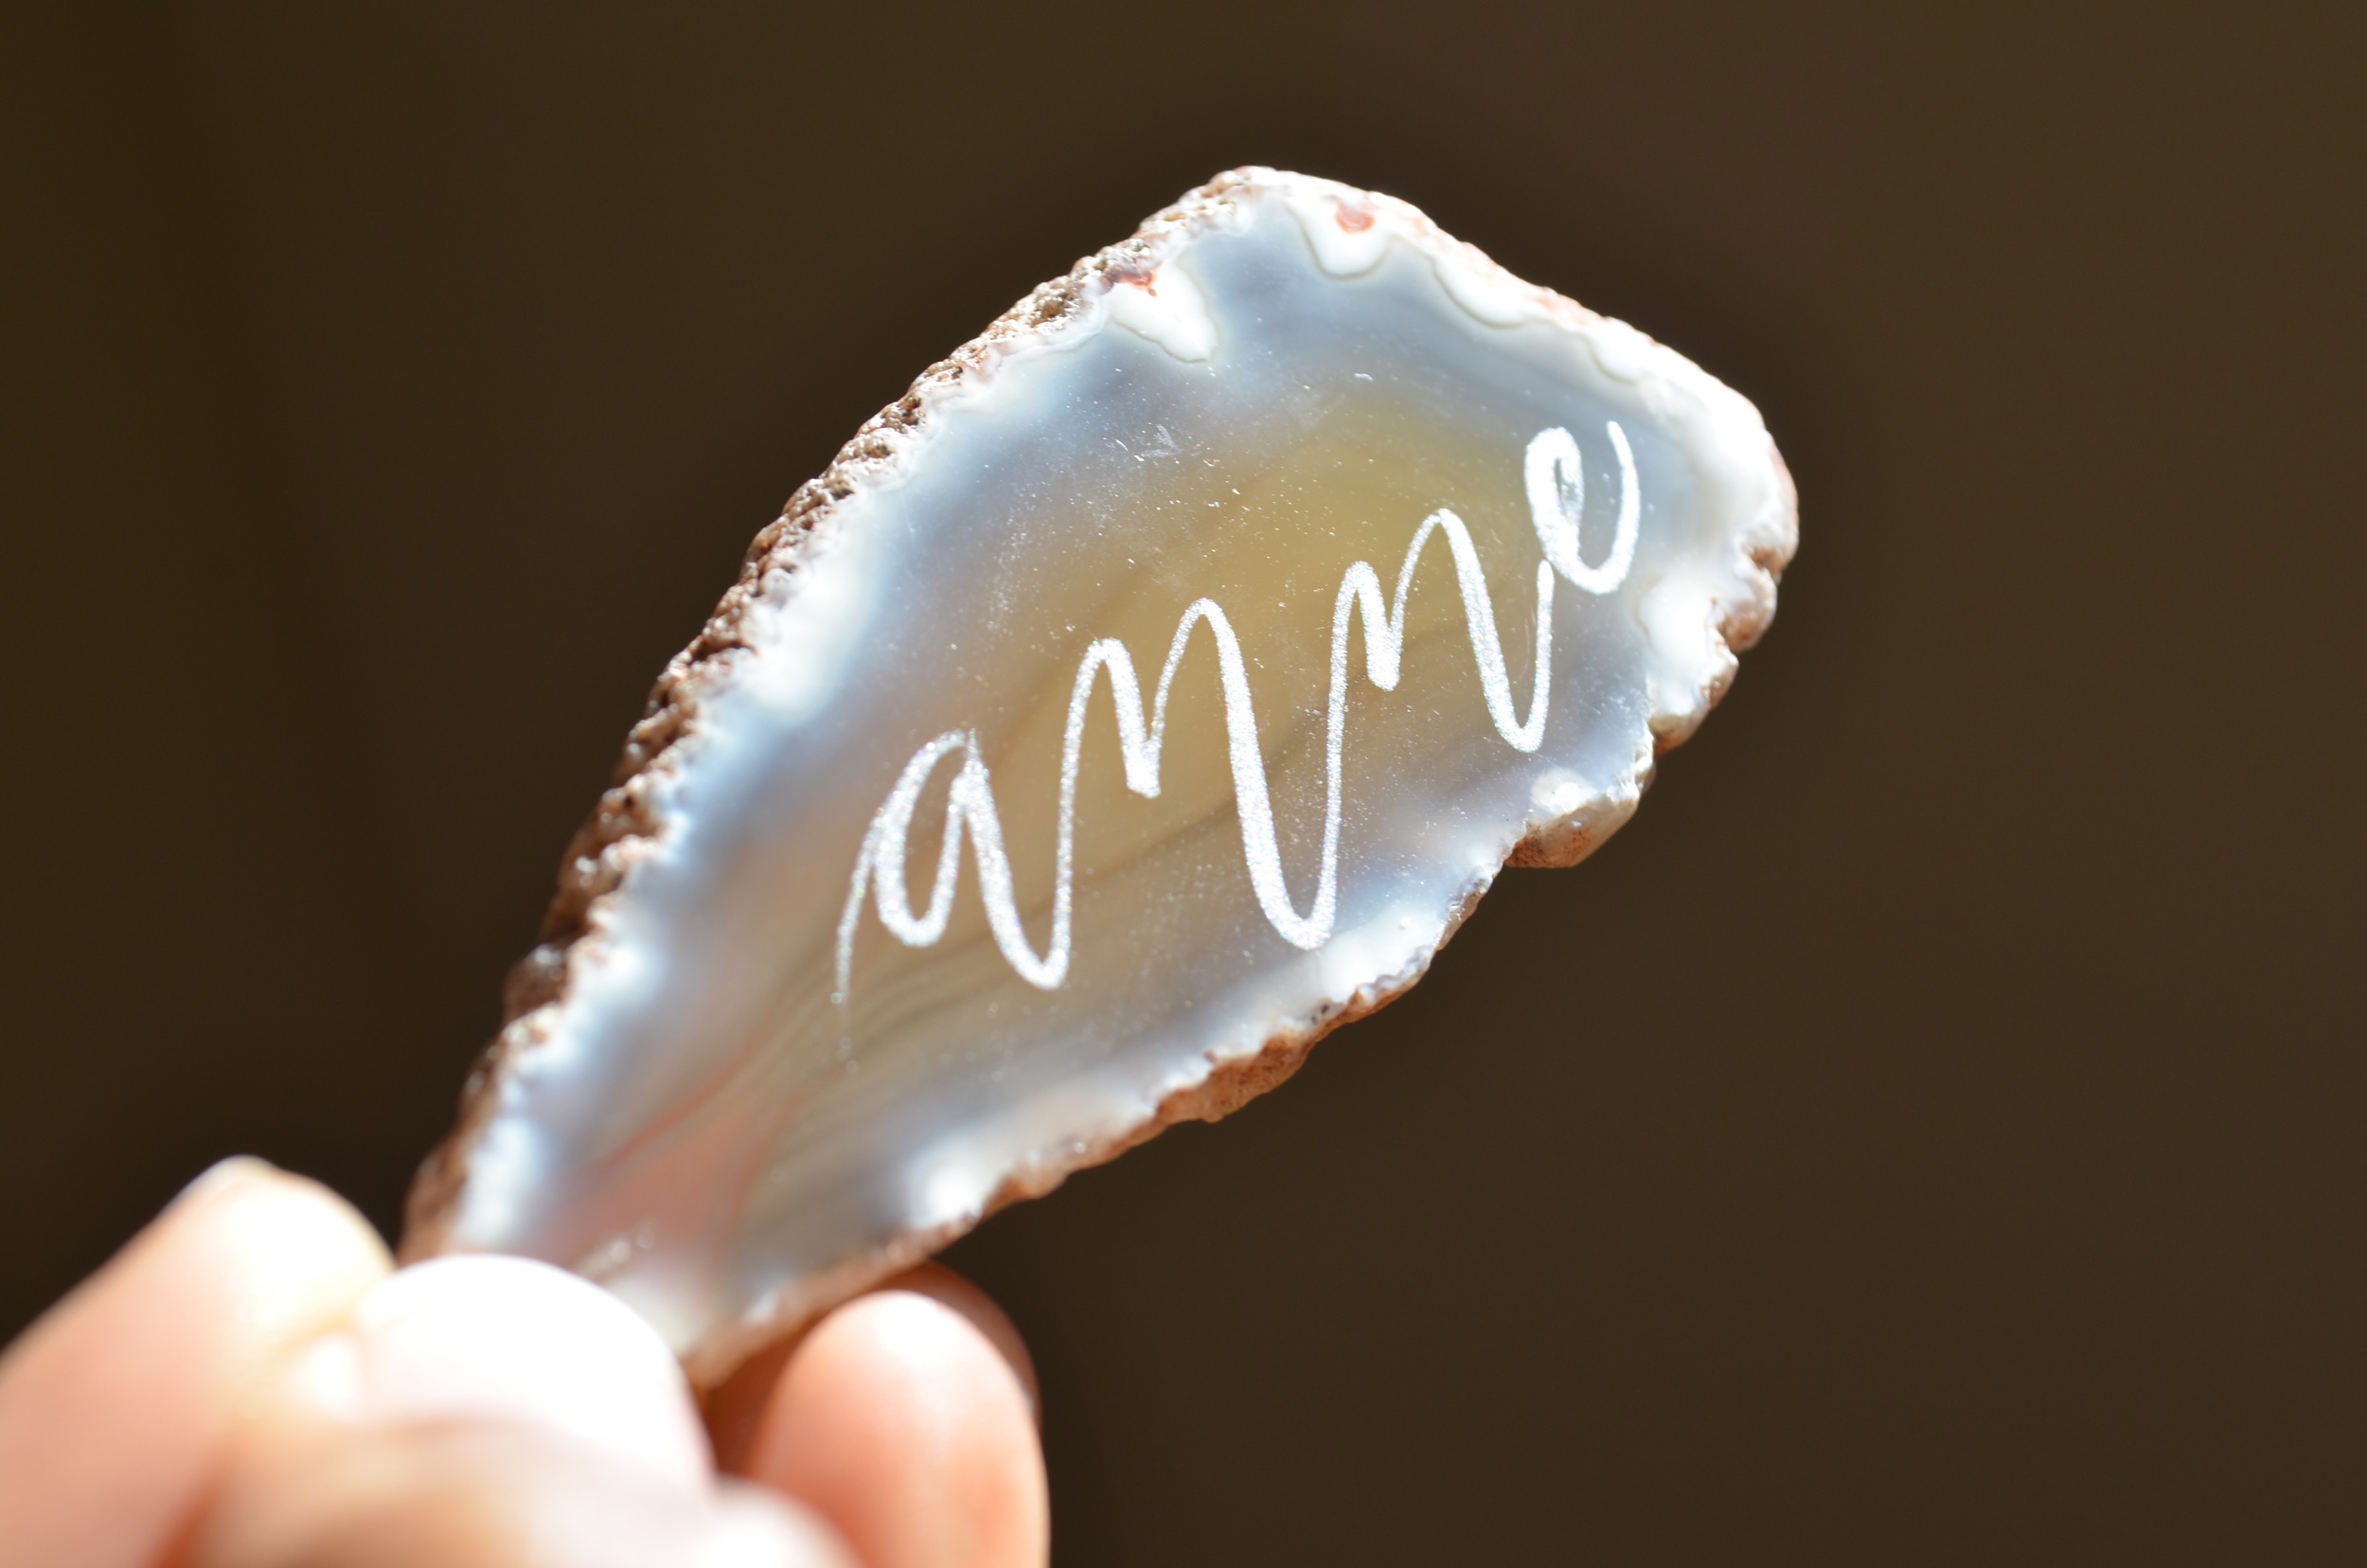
[[1230, 1082], [629, 819]]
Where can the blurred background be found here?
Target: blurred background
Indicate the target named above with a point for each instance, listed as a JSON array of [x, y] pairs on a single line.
[[1931, 1132]]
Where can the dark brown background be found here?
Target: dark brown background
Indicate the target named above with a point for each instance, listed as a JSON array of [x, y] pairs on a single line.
[[1931, 1133]]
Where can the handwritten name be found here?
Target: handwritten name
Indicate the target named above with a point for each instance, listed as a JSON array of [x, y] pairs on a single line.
[[1556, 484]]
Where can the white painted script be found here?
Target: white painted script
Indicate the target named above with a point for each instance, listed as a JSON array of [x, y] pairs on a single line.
[[1555, 486]]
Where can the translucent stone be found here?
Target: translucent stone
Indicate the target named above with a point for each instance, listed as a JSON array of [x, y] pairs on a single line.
[[1151, 689]]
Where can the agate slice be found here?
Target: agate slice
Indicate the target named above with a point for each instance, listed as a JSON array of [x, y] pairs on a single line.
[[1151, 689]]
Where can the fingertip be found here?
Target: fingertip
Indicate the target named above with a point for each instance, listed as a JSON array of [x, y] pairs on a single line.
[[487, 1494], [958, 1291], [115, 1406], [493, 1339], [479, 1410], [298, 1256], [755, 1528], [902, 1420], [734, 1410]]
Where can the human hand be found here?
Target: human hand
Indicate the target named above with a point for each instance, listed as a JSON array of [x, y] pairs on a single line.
[[247, 1385]]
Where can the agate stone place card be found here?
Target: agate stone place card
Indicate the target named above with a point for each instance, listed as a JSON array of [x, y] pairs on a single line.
[[1151, 689]]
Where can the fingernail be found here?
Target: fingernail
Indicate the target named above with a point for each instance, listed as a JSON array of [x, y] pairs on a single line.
[[220, 1177]]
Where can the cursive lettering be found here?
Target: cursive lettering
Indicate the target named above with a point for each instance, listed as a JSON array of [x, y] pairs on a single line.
[[1555, 488]]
